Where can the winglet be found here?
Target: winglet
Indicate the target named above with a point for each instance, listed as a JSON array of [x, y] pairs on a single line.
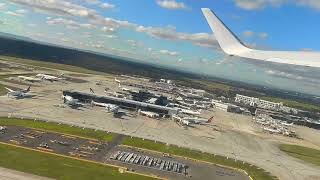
[[228, 41]]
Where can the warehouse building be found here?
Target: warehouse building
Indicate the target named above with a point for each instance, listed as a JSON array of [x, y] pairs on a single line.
[[124, 103]]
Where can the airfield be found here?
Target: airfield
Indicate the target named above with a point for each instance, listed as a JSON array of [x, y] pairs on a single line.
[[232, 135]]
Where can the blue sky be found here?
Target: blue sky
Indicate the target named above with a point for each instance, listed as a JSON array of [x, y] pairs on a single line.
[[174, 33]]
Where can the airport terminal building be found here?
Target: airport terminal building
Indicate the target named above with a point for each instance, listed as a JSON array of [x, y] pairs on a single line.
[[124, 103]]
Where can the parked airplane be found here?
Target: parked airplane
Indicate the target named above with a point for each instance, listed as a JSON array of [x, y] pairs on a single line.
[[109, 107], [30, 79], [272, 131], [233, 46], [190, 112], [72, 102], [116, 80], [18, 93], [49, 77], [3, 128], [149, 114], [196, 120], [287, 124]]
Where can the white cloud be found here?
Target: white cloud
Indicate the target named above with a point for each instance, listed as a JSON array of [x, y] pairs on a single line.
[[288, 75], [32, 25], [309, 3], [98, 46], [70, 24], [107, 6], [65, 8], [167, 52], [111, 36], [248, 33], [171, 4], [64, 39], [13, 13], [2, 6], [108, 29], [263, 35], [92, 1], [258, 4], [58, 7], [306, 49], [169, 33], [21, 11]]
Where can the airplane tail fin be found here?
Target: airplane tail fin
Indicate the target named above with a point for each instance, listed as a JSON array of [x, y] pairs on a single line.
[[27, 90], [210, 119], [91, 90], [227, 40]]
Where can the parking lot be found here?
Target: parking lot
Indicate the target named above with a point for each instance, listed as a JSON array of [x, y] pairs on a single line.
[[151, 162], [112, 152]]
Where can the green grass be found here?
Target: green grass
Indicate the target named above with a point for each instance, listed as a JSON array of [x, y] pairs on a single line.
[[203, 84], [89, 133], [57, 167], [255, 172], [3, 91], [51, 65], [306, 154]]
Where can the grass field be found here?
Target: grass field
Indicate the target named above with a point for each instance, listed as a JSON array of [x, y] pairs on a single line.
[[3, 91], [51, 65], [57, 167], [255, 172], [89, 133], [306, 154]]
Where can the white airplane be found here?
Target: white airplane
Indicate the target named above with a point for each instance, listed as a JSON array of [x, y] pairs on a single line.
[[196, 120], [287, 124], [189, 112], [272, 131], [233, 46], [19, 93], [149, 114], [3, 128], [49, 77], [116, 80], [30, 79], [72, 102], [109, 107]]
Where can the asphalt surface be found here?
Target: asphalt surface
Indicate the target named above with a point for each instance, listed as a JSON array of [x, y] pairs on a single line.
[[102, 151]]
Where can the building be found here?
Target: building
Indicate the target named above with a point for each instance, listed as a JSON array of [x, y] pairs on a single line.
[[256, 102], [123, 103]]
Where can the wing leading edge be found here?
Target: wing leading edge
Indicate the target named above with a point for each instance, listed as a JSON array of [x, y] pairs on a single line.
[[232, 45]]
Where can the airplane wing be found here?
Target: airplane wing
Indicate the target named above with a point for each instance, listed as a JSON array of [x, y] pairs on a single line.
[[233, 46], [10, 90]]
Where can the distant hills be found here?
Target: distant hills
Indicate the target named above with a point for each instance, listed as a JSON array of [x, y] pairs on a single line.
[[12, 36]]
